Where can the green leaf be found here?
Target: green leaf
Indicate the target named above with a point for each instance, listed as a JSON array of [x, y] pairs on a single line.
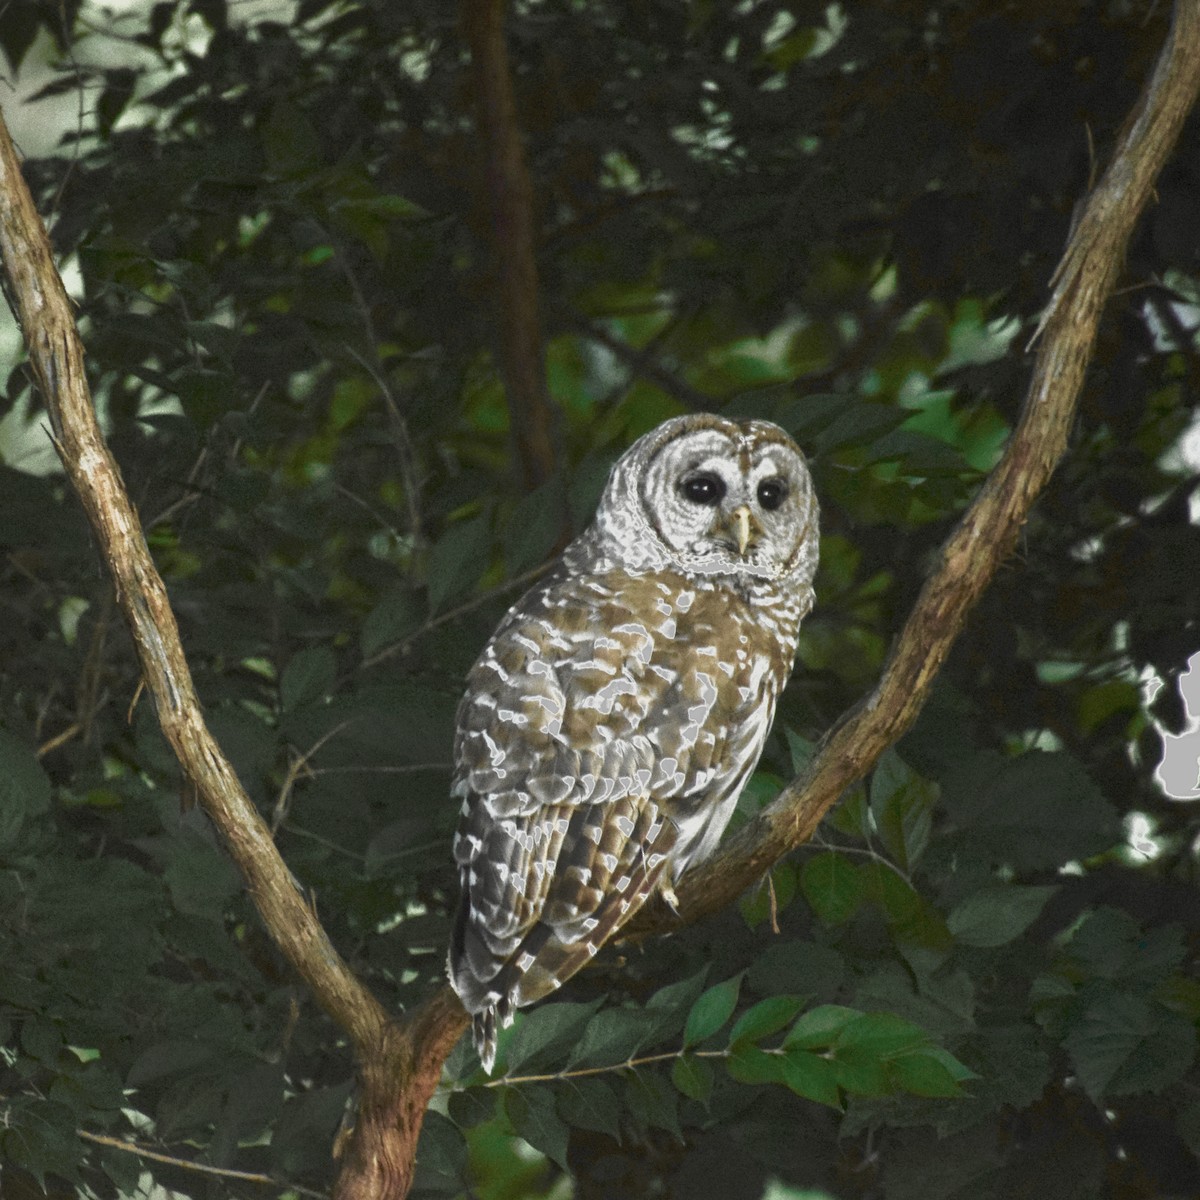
[[1110, 944], [772, 895], [613, 1035], [749, 1064], [394, 617], [911, 919], [833, 886], [536, 524], [923, 1073], [881, 1034], [205, 394], [711, 1011], [24, 787], [41, 1040], [859, 423], [860, 1071], [679, 997], [590, 1103], [473, 1105], [89, 1091], [693, 1077], [1033, 812], [1014, 1065], [902, 809], [801, 750], [40, 1137], [918, 453], [166, 1058], [819, 1027], [306, 1126], [399, 207], [546, 1031], [1124, 1043], [291, 144], [458, 560], [307, 678], [652, 1102], [997, 915], [531, 1111], [441, 1153], [811, 1076], [200, 878], [764, 1018], [806, 416]]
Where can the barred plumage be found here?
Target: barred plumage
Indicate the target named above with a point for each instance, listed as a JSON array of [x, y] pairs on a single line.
[[610, 724]]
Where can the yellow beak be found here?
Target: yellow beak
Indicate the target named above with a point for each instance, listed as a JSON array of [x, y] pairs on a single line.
[[739, 519]]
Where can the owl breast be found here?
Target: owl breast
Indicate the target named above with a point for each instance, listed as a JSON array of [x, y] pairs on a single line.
[[604, 738]]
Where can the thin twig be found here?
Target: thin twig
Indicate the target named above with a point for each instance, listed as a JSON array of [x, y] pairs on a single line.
[[453, 614], [643, 362], [187, 1164], [59, 739], [296, 767], [629, 1064]]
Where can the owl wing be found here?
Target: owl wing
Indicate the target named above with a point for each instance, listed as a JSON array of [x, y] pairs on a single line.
[[591, 741]]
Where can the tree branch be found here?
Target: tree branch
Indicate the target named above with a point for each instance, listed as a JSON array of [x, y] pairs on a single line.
[[508, 198], [984, 537], [56, 354]]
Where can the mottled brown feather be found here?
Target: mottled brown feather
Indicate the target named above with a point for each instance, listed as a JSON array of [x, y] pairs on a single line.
[[611, 722]]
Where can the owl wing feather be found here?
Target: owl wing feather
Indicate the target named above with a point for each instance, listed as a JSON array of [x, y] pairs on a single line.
[[592, 742]]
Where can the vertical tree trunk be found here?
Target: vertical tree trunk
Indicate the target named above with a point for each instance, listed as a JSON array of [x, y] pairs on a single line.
[[508, 200]]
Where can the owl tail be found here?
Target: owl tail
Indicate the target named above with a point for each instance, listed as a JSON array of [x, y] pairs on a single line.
[[484, 1024], [484, 1032]]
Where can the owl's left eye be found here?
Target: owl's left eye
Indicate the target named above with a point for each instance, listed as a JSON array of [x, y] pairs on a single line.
[[772, 493], [703, 489]]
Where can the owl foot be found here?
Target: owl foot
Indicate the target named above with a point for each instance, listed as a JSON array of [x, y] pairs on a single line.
[[667, 892]]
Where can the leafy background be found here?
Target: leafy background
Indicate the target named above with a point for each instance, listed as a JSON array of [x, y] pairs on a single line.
[[980, 980]]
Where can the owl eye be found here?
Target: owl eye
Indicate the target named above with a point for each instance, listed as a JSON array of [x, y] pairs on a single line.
[[772, 493], [703, 489]]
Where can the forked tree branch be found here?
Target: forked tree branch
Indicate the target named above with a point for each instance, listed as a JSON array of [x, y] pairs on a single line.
[[400, 1064]]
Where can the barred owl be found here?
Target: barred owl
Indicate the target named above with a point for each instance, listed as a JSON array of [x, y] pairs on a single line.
[[622, 704]]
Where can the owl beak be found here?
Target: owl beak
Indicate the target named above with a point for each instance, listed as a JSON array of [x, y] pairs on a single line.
[[741, 526]]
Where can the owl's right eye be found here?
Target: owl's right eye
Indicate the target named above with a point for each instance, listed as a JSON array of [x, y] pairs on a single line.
[[703, 489]]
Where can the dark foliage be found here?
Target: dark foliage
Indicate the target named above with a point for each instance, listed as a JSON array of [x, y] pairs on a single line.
[[982, 981]]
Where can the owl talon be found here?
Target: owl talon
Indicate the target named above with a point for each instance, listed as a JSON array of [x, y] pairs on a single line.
[[668, 894]]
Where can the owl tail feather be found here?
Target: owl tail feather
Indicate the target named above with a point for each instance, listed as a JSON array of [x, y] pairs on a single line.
[[484, 1033], [484, 1023]]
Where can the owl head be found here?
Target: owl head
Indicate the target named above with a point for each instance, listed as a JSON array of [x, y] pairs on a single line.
[[713, 497]]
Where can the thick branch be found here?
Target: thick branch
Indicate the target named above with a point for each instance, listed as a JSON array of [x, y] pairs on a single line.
[[986, 534], [508, 198], [56, 354]]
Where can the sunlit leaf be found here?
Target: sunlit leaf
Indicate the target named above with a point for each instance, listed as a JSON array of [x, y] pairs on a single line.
[[711, 1011]]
